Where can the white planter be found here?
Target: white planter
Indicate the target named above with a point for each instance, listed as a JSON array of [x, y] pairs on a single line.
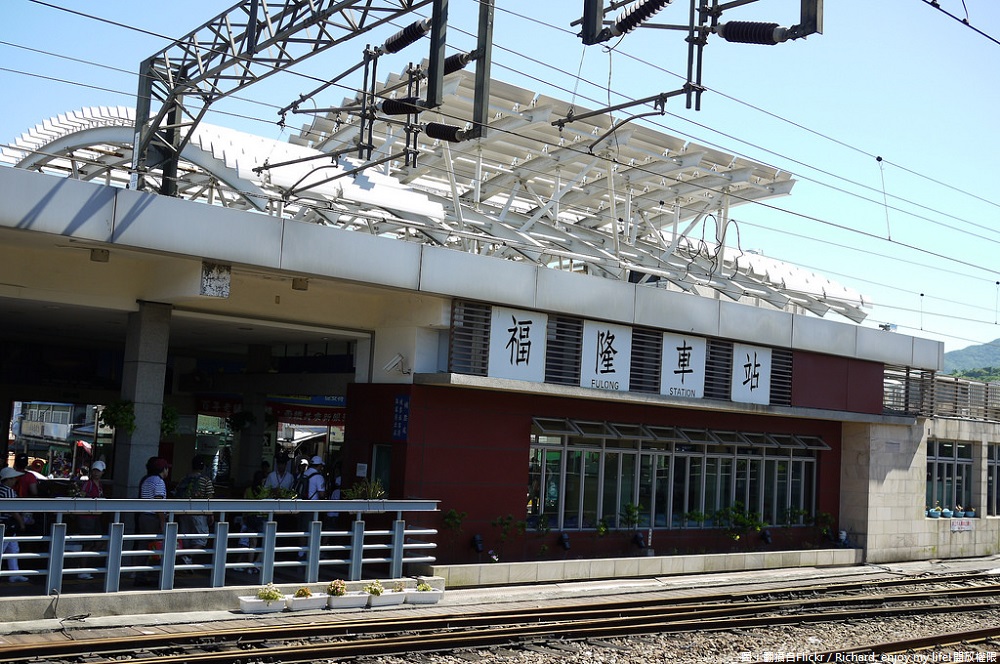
[[354, 600], [388, 598], [317, 601], [423, 596], [254, 605]]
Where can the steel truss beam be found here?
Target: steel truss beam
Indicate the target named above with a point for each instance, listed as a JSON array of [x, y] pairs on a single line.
[[251, 41]]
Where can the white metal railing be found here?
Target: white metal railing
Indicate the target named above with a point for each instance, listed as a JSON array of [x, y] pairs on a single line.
[[57, 552]]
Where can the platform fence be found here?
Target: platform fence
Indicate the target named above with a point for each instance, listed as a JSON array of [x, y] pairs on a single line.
[[348, 550]]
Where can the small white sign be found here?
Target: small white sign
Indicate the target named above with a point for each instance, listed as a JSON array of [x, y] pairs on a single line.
[[682, 373], [606, 363], [517, 344], [751, 374], [361, 470]]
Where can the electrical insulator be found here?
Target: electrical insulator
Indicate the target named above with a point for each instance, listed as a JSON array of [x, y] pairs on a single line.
[[444, 132], [750, 32], [634, 15], [403, 106], [453, 63], [406, 36]]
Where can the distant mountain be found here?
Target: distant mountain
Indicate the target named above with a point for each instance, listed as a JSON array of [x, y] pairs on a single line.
[[973, 357]]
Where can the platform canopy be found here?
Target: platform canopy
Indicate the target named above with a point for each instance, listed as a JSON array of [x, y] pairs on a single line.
[[617, 200]]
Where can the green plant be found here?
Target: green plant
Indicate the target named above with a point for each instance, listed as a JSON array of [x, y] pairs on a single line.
[[824, 521], [240, 420], [630, 516], [365, 489], [119, 415], [398, 587], [337, 588], [696, 517], [453, 520], [423, 587], [303, 592], [270, 593], [793, 516], [507, 526], [738, 521], [374, 588], [168, 421], [602, 527]]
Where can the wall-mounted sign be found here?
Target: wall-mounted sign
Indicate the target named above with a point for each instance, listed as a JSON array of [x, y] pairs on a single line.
[[751, 374], [400, 417], [606, 362], [517, 344], [682, 373]]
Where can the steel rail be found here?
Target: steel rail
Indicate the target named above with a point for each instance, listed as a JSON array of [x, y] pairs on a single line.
[[919, 643], [614, 618]]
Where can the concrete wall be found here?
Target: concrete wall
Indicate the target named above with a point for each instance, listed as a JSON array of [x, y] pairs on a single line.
[[883, 480]]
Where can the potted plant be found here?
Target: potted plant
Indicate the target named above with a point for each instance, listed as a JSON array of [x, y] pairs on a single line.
[[425, 593], [119, 415], [935, 512], [304, 598], [269, 599], [338, 597], [378, 595]]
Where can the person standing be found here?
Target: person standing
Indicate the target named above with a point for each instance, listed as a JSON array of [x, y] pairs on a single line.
[[90, 524], [196, 485], [280, 478], [26, 487], [311, 486], [152, 486], [13, 523]]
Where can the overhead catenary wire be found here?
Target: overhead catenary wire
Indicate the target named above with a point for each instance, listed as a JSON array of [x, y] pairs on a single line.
[[258, 119]]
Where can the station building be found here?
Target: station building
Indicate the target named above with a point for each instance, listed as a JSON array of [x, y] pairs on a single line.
[[530, 327]]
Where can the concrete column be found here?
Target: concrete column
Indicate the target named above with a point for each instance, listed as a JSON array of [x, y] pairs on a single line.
[[143, 375], [248, 448]]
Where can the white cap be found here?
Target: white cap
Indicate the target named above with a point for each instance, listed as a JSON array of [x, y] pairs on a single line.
[[8, 473], [99, 465]]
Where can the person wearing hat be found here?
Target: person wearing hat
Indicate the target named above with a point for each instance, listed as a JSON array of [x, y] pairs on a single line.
[[311, 486], [12, 522], [280, 477], [90, 524]]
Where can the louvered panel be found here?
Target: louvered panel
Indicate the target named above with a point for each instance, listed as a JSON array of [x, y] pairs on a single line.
[[781, 377], [563, 350], [647, 354], [907, 390], [718, 369], [469, 341]]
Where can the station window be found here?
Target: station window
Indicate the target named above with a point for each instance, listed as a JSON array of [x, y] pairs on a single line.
[[993, 481], [949, 473], [589, 477]]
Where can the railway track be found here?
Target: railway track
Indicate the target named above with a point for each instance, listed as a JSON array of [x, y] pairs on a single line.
[[372, 635]]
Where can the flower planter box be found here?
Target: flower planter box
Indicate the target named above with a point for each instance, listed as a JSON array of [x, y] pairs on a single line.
[[317, 601], [254, 605], [423, 596], [354, 600], [388, 598]]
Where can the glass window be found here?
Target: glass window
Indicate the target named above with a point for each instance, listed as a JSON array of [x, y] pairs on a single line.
[[949, 475], [581, 482]]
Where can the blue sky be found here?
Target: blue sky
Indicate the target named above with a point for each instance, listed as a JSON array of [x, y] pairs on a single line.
[[918, 232]]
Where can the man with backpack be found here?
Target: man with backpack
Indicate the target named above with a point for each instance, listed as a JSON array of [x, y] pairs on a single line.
[[311, 485], [195, 485]]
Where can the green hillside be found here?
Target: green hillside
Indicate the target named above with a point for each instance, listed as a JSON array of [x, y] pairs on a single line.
[[982, 358]]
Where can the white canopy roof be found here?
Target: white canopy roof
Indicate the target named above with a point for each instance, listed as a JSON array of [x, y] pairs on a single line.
[[630, 203]]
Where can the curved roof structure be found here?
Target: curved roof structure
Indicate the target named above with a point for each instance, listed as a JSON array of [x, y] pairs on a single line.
[[621, 201]]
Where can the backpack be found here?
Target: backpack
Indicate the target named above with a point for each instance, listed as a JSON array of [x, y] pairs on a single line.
[[302, 486], [185, 487]]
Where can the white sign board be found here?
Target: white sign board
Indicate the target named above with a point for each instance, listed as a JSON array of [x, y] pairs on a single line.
[[517, 344], [751, 378], [682, 373], [606, 362]]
